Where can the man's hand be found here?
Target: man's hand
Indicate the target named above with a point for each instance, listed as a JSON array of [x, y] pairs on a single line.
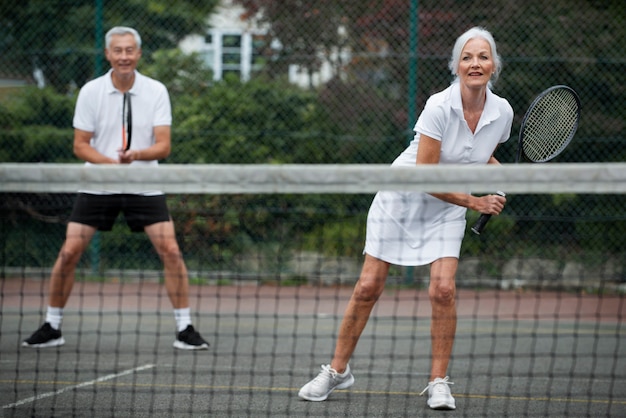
[[127, 156]]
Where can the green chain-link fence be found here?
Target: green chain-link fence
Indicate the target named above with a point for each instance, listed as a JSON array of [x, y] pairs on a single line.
[[267, 81], [305, 81]]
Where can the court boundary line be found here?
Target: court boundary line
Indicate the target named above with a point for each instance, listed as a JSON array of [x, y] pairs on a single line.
[[78, 386]]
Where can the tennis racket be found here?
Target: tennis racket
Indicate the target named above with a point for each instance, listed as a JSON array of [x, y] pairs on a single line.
[[127, 122], [547, 128]]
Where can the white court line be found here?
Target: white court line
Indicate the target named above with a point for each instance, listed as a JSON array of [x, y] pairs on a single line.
[[81, 385]]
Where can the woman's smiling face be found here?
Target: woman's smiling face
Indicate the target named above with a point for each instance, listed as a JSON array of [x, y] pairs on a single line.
[[476, 65]]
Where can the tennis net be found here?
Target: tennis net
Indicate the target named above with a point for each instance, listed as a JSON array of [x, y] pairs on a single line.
[[273, 253]]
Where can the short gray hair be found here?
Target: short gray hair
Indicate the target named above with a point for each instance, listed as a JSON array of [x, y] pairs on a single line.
[[475, 32], [122, 30]]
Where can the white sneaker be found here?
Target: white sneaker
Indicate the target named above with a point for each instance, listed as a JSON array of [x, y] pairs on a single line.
[[439, 395], [326, 381]]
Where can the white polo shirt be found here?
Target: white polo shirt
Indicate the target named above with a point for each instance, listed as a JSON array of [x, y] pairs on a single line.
[[442, 119], [99, 110]]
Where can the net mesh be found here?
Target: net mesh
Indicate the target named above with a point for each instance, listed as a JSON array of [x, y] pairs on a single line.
[[550, 125], [273, 253]]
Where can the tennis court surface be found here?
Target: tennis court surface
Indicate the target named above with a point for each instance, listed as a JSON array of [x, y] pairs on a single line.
[[273, 253], [517, 353]]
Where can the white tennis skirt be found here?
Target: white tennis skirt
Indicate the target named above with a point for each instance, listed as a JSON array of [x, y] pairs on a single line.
[[413, 228]]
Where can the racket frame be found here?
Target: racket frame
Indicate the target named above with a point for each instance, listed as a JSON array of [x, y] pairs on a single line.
[[127, 122], [480, 224], [520, 141]]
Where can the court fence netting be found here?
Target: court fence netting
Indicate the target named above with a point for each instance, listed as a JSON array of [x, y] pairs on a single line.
[[273, 252]]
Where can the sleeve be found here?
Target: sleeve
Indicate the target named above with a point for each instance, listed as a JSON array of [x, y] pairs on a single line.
[[85, 110], [508, 111], [433, 120], [163, 107]]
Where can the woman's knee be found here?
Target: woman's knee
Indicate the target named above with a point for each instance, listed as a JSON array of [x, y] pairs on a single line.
[[368, 289], [442, 289], [442, 292], [372, 281]]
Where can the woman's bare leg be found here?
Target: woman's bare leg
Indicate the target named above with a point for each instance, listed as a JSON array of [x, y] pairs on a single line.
[[366, 292]]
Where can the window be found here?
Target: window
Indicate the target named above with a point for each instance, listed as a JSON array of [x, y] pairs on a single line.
[[233, 52]]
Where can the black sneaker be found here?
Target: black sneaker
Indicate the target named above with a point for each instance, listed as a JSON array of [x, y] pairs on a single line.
[[190, 339], [46, 336]]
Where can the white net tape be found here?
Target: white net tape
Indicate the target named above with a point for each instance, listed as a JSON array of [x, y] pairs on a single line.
[[351, 179]]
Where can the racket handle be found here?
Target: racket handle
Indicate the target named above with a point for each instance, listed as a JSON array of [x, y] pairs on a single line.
[[483, 219]]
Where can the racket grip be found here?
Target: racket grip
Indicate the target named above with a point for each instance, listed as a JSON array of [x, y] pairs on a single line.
[[480, 224]]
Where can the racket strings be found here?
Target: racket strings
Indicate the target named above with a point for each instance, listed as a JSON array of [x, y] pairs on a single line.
[[550, 125]]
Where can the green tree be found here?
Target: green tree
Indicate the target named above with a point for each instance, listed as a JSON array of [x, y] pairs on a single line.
[[58, 36], [36, 126]]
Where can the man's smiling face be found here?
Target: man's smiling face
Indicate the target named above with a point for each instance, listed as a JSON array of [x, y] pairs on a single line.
[[123, 54]]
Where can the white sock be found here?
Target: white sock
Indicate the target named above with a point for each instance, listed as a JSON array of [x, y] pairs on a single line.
[[183, 318], [54, 317]]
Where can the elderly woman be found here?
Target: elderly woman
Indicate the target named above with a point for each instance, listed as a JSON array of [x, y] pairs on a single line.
[[462, 124]]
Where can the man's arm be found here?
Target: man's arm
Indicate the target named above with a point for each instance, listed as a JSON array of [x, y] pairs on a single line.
[[159, 150], [84, 150]]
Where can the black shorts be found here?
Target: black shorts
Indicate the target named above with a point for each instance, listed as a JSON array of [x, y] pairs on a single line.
[[100, 211]]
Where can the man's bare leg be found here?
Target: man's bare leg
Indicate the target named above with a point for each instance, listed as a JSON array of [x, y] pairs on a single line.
[[163, 238], [63, 273]]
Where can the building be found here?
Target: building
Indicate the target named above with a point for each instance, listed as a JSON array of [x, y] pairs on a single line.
[[236, 45]]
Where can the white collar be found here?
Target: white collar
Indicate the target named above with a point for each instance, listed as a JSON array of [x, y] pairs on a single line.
[[491, 111], [111, 88]]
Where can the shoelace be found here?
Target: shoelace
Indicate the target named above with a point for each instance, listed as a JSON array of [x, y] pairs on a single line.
[[327, 371], [443, 381]]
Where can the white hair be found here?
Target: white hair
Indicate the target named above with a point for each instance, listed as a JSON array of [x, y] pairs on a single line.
[[122, 30], [475, 32]]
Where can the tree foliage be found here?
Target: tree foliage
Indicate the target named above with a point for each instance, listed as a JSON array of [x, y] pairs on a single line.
[[35, 126], [61, 37], [359, 116], [574, 42]]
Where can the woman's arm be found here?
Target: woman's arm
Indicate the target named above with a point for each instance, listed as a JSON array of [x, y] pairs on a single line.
[[429, 152]]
